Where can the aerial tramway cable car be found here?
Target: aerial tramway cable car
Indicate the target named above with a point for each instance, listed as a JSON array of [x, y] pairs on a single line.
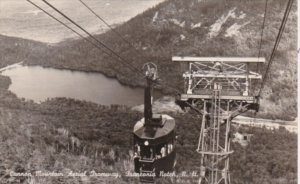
[[154, 136]]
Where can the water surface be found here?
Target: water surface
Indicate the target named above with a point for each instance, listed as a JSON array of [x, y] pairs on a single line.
[[38, 84]]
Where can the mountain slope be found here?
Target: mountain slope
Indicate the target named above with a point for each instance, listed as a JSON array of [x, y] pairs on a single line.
[[14, 50], [64, 135], [193, 28]]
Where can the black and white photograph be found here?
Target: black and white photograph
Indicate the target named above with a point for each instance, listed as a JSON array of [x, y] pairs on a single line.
[[149, 91]]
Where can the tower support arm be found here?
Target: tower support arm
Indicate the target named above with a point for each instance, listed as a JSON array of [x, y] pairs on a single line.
[[220, 59], [221, 75]]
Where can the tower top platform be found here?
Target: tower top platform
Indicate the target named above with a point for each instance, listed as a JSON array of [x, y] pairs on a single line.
[[220, 59]]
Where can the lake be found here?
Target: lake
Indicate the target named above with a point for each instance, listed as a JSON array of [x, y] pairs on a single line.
[[38, 84]]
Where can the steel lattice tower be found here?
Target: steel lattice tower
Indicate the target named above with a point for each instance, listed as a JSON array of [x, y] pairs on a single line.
[[219, 89]]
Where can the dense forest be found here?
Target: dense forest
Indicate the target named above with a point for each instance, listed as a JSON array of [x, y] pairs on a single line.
[[64, 135], [14, 50]]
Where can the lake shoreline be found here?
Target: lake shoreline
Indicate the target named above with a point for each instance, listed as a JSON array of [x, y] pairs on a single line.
[[106, 74], [29, 82]]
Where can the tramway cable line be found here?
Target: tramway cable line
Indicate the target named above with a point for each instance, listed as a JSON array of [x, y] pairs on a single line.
[[261, 35], [262, 30], [260, 45], [281, 29], [134, 69], [278, 38], [125, 40], [95, 39], [64, 24], [110, 27], [80, 35]]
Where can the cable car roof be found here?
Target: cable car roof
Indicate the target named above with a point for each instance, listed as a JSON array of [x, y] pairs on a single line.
[[167, 128]]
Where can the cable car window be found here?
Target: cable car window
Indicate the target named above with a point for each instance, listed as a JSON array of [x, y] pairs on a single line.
[[161, 150], [164, 151], [170, 147], [146, 152], [137, 150]]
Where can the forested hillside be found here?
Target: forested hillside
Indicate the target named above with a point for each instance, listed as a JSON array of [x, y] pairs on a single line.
[[64, 135], [193, 28], [14, 50]]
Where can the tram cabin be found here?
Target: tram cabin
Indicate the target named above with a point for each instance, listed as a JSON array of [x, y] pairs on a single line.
[[154, 145]]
